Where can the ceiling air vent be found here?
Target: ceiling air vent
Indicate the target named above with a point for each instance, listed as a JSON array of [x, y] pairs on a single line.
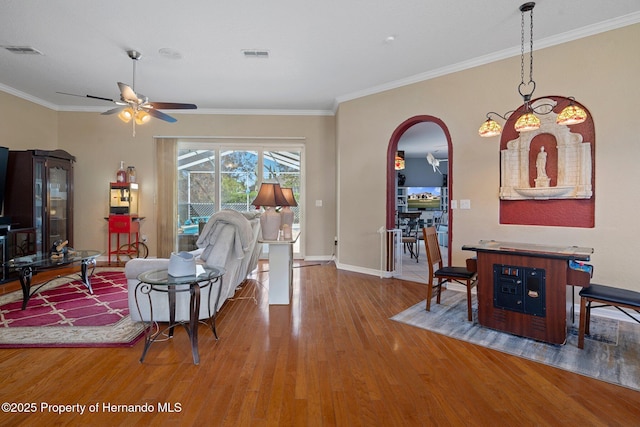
[[255, 53], [23, 50]]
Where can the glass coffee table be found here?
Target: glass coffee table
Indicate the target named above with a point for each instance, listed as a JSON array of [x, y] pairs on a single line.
[[161, 281], [30, 265]]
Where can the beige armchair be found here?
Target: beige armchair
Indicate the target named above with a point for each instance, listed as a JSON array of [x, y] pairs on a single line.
[[229, 240]]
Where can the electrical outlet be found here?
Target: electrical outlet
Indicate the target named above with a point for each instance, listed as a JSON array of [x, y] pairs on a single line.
[[465, 204]]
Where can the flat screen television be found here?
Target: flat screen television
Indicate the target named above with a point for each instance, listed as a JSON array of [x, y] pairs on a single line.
[[423, 198]]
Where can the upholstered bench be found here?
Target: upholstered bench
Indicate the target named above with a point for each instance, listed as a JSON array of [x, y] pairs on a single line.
[[606, 296]]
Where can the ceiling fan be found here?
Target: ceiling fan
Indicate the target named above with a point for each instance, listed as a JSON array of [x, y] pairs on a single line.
[[435, 162], [136, 106]]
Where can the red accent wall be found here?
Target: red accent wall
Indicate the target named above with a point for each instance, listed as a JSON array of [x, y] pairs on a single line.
[[561, 212]]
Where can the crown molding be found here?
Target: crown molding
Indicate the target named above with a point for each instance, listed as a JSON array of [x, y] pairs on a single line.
[[601, 27]]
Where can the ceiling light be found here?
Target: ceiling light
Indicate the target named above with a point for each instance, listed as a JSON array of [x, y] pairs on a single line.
[[571, 115], [142, 117], [126, 115], [139, 117], [490, 128], [528, 121], [399, 163]]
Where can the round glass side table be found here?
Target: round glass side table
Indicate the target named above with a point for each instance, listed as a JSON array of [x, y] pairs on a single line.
[[161, 281]]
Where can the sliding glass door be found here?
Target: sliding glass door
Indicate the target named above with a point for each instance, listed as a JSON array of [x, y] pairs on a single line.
[[238, 177], [284, 166], [213, 176]]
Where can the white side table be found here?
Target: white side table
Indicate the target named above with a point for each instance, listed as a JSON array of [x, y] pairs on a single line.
[[280, 269]]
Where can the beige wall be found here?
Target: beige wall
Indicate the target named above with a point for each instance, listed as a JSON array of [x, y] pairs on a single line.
[[25, 125], [100, 142], [346, 154], [600, 71]]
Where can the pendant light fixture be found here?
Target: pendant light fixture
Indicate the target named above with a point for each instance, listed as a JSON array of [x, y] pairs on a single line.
[[571, 115], [399, 163], [528, 121]]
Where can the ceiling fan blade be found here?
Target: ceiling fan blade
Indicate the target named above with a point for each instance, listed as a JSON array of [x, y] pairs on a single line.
[[172, 106], [114, 110], [127, 94], [160, 115], [87, 96], [431, 160], [100, 98]]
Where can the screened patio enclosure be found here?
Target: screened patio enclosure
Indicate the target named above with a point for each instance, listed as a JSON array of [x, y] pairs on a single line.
[[214, 178]]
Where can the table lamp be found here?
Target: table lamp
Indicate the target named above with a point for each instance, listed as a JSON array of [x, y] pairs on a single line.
[[286, 214], [269, 196]]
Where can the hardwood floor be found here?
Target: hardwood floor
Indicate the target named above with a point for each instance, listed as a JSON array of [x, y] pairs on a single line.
[[332, 357]]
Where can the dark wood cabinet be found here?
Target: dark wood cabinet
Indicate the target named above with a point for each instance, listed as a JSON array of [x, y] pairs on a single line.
[[522, 287], [39, 195]]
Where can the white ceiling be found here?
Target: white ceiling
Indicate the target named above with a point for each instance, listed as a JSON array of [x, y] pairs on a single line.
[[422, 138], [320, 52]]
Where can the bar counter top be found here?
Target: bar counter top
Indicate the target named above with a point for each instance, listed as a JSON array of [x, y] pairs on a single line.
[[530, 249]]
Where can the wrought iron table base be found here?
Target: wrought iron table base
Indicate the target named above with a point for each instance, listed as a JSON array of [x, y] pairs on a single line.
[[194, 311], [27, 272]]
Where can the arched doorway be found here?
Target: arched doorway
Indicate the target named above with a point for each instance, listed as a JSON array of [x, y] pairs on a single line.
[[391, 172]]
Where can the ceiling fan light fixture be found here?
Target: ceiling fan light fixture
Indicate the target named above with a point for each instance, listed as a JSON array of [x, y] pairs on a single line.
[[126, 115], [136, 107], [142, 117]]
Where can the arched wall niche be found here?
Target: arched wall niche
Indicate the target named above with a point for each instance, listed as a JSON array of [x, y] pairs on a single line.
[[576, 206], [391, 172]]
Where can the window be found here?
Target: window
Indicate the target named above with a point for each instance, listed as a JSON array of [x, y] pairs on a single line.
[[196, 189], [215, 176], [238, 177]]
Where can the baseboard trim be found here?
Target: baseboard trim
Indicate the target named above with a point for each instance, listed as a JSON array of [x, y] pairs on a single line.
[[368, 271], [319, 258]]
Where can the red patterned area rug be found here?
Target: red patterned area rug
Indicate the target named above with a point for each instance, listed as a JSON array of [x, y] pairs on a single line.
[[64, 314]]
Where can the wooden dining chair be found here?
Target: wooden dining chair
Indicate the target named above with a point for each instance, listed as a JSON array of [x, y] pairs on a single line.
[[410, 238], [464, 275]]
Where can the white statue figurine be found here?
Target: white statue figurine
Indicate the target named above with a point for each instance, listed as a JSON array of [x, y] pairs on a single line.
[[541, 163]]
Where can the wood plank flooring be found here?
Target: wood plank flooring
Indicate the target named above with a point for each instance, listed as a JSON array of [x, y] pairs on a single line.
[[332, 357]]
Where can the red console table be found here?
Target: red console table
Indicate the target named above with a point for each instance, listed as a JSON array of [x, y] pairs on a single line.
[[123, 224], [123, 219], [522, 288]]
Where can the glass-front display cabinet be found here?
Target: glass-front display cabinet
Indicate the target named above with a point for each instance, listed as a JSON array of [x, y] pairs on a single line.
[[39, 195]]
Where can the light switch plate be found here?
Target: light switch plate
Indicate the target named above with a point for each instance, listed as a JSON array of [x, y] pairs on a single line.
[[465, 204], [319, 203], [454, 204]]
